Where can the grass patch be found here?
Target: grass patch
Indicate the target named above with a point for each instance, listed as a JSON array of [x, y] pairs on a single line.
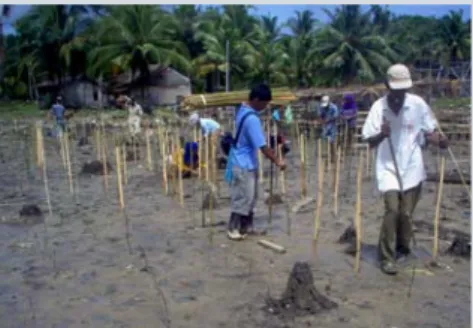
[[16, 110]]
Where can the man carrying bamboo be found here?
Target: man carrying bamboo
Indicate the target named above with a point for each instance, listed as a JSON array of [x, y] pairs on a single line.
[[395, 125], [243, 161]]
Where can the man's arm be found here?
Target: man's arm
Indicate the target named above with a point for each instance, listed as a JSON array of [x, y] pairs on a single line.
[[372, 129], [430, 126], [255, 134]]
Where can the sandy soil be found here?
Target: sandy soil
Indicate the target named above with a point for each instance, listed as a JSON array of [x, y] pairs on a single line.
[[75, 270]]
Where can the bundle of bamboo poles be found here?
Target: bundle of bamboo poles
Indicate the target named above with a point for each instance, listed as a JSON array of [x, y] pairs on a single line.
[[281, 96]]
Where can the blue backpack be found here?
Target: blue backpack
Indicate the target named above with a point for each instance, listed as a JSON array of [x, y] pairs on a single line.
[[229, 168]]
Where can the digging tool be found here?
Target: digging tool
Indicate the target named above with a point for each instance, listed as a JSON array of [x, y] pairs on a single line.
[[398, 176]]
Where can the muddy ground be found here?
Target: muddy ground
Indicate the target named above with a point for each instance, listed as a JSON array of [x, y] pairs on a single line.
[[75, 269]]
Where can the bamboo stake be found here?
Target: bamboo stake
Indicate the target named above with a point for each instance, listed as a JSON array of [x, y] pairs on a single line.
[[199, 151], [320, 198], [104, 161], [180, 166], [329, 156], [162, 142], [302, 154], [149, 161], [282, 175], [207, 158], [62, 150], [121, 199], [336, 182], [437, 209], [368, 155], [68, 161], [359, 178], [125, 167], [98, 147], [260, 167], [39, 145], [211, 191], [276, 148]]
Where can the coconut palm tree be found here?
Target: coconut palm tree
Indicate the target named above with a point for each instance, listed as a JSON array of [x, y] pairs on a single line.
[[351, 49], [133, 37], [454, 38]]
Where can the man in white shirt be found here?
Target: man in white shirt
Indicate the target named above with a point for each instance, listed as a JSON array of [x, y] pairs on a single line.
[[404, 119]]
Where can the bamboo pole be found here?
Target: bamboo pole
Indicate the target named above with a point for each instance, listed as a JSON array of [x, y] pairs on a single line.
[[336, 182], [320, 198], [359, 179], [39, 145], [368, 155], [260, 167], [199, 151], [149, 161], [435, 247], [104, 160], [302, 154], [162, 142], [121, 199], [207, 158], [212, 183], [98, 147], [125, 166], [282, 175], [62, 150], [180, 166], [68, 162]]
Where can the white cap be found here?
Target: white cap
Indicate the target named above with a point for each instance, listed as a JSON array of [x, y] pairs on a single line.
[[193, 119], [399, 77], [325, 101]]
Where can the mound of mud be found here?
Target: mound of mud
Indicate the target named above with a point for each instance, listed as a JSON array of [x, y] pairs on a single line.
[[95, 168], [301, 297], [207, 200], [83, 141], [348, 236], [274, 200], [30, 210], [130, 155], [460, 247]]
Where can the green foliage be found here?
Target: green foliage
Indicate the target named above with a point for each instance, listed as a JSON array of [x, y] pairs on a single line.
[[356, 46]]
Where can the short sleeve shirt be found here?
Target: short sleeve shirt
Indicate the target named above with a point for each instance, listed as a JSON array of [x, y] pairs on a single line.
[[251, 139], [407, 131], [208, 126], [58, 111]]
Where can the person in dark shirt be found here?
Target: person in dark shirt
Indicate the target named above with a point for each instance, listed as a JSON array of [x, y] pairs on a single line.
[[58, 112]]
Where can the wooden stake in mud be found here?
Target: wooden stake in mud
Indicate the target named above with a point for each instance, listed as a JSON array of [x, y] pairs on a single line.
[[359, 180], [260, 168], [199, 151], [302, 153], [320, 198], [125, 167], [149, 161], [435, 248], [336, 182], [39, 145], [104, 160], [180, 166], [121, 199], [207, 158], [68, 162], [98, 147], [62, 149], [163, 142]]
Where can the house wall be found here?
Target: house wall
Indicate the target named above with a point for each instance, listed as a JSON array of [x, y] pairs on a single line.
[[82, 94], [159, 95]]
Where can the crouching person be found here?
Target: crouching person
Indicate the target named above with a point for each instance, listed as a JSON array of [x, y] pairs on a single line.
[[243, 161]]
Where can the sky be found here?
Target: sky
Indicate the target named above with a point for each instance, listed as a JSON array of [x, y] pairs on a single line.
[[283, 12]]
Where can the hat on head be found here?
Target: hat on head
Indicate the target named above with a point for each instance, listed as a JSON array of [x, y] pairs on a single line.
[[193, 119], [399, 77], [325, 101]]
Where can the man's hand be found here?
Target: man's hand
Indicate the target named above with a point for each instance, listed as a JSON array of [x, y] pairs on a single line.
[[443, 141], [281, 165], [385, 128]]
